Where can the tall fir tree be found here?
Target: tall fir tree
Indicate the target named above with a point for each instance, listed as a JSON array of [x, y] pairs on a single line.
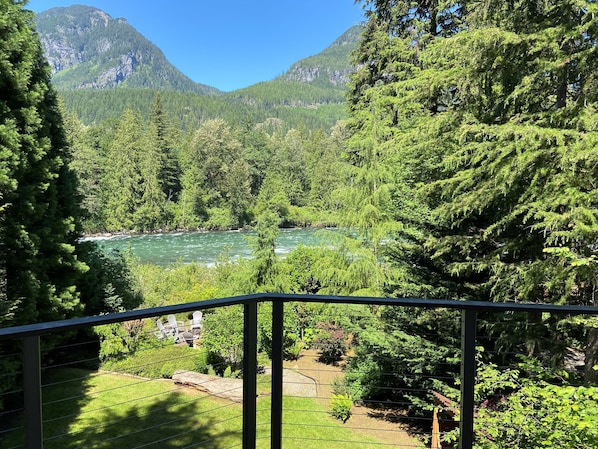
[[88, 163], [123, 181], [164, 136], [39, 209], [517, 193], [389, 93], [151, 213], [494, 125]]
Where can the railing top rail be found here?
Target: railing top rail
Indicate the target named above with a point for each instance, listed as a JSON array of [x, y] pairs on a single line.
[[36, 329], [30, 330], [438, 303]]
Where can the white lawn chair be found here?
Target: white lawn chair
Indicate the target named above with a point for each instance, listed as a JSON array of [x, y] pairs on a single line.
[[162, 331], [196, 324], [176, 326]]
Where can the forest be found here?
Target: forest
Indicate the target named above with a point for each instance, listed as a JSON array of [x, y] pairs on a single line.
[[466, 169], [144, 174]]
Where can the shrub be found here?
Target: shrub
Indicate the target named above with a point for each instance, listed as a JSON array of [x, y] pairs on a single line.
[[339, 386], [118, 340], [293, 351], [231, 374], [341, 406], [331, 342], [201, 361], [217, 363], [150, 362], [541, 415], [219, 219], [168, 370]]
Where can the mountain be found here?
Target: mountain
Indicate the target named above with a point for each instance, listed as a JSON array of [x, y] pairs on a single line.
[[330, 68], [91, 53], [311, 82], [87, 48]]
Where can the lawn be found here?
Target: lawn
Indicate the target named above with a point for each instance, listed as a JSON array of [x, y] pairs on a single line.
[[106, 410]]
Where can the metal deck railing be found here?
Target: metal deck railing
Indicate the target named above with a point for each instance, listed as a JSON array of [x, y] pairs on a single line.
[[263, 425]]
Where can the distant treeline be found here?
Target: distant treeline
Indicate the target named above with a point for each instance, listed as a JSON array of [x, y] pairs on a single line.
[[296, 104]]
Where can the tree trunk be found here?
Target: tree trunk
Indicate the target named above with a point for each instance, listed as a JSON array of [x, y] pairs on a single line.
[[561, 94], [533, 334], [591, 374]]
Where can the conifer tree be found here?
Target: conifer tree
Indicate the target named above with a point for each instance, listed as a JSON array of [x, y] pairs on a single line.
[[124, 179], [288, 161], [493, 123], [151, 213], [264, 264], [88, 163], [517, 192], [258, 151], [39, 210], [163, 135], [325, 168], [192, 199], [388, 94]]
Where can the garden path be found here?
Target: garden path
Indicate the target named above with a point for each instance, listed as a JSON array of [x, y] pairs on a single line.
[[381, 422]]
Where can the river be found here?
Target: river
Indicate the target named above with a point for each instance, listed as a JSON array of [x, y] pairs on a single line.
[[204, 247]]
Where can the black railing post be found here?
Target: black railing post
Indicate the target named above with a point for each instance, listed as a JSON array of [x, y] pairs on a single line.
[[277, 355], [468, 373], [32, 385], [249, 374]]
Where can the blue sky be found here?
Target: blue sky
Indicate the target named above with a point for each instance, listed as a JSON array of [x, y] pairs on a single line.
[[235, 43]]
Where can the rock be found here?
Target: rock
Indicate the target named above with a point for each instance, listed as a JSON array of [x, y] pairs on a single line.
[[216, 386]]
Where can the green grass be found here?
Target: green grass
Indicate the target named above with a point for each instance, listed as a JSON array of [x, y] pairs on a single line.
[[308, 424], [155, 362], [106, 410]]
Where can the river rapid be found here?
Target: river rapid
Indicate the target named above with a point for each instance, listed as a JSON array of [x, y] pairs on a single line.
[[205, 247]]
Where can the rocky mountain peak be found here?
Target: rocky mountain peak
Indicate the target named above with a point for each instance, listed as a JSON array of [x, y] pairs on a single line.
[[330, 67], [87, 48]]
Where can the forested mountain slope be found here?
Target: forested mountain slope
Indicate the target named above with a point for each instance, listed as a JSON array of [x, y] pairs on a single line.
[[310, 82], [94, 106], [331, 67]]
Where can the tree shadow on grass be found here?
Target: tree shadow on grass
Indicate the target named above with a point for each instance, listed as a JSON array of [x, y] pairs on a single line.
[[64, 394], [86, 408], [171, 420]]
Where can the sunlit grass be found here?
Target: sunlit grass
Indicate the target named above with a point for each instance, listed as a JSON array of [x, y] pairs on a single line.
[[106, 410]]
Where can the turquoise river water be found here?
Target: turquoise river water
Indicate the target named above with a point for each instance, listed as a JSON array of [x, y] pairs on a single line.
[[205, 247]]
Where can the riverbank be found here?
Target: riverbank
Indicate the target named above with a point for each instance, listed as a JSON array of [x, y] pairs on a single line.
[[107, 234]]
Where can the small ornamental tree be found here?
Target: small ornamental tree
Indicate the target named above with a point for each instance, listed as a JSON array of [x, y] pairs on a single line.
[[331, 341], [222, 336]]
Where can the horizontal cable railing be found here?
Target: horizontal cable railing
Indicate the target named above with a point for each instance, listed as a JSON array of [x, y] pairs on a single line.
[[118, 380]]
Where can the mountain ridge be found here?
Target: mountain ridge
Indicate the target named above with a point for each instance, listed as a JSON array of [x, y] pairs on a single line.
[[88, 49], [330, 66], [100, 64]]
